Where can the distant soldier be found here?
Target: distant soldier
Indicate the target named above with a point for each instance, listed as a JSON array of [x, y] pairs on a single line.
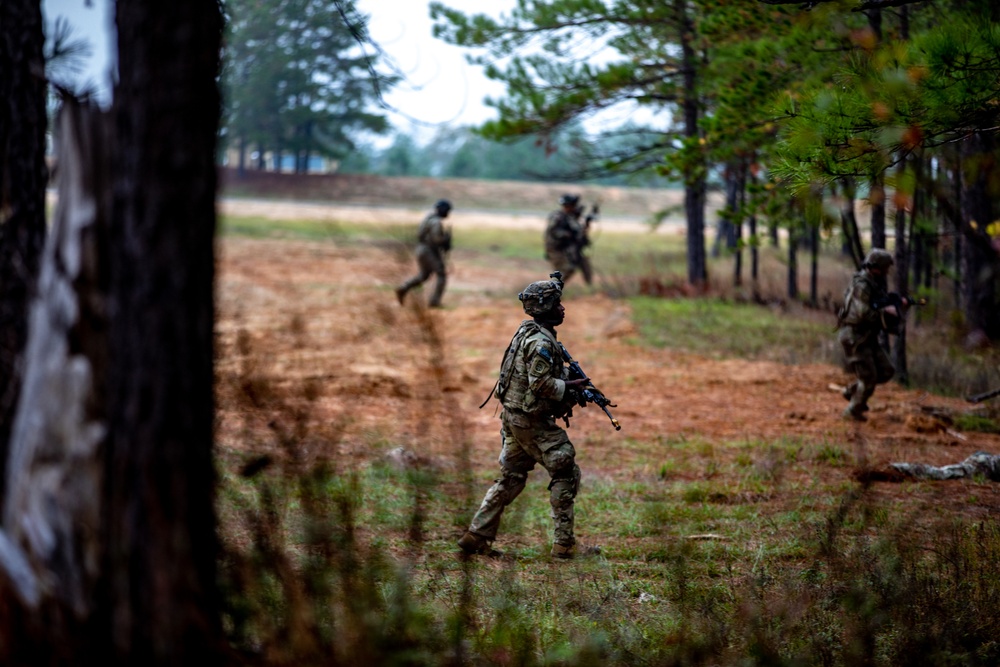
[[868, 309], [534, 390], [563, 237], [433, 243], [583, 220]]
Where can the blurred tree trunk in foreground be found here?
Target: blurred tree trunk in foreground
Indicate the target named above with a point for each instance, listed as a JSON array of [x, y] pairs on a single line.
[[23, 177], [161, 542], [109, 538]]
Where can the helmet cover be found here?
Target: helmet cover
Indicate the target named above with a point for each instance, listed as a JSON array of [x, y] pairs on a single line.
[[879, 259], [541, 296]]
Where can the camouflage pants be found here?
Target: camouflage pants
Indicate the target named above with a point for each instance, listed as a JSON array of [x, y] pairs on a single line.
[[869, 362], [563, 261], [429, 262], [528, 441]]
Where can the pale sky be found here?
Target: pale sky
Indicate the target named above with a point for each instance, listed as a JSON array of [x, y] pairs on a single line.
[[441, 88]]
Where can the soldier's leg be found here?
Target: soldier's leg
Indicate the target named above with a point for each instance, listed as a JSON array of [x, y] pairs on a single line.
[[586, 269], [561, 262], [515, 465], [425, 268], [560, 462], [442, 278], [884, 370], [864, 367]]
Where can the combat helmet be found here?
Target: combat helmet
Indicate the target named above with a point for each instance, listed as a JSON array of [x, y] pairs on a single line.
[[443, 205], [542, 296], [569, 200], [878, 259]]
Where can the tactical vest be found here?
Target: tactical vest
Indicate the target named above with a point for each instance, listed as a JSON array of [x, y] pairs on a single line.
[[857, 310], [424, 231], [512, 387]]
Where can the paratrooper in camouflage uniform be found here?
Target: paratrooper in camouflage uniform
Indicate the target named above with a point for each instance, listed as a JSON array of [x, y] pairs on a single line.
[[563, 237], [534, 390], [433, 243], [859, 323]]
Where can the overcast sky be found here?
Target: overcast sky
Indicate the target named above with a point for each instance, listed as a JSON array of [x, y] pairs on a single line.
[[440, 87]]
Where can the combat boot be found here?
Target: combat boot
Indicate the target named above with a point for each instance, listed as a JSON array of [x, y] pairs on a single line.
[[856, 413], [563, 551], [473, 544], [849, 390]]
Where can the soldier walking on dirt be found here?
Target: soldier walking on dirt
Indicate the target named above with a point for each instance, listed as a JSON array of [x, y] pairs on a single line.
[[433, 243], [534, 390], [564, 238], [867, 310]]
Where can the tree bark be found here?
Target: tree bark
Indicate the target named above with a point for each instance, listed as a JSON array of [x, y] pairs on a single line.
[[849, 223], [694, 180], [50, 545], [980, 258], [161, 543], [793, 263], [23, 177], [876, 202], [902, 269]]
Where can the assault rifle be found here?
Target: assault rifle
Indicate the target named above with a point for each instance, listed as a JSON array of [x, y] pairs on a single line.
[[892, 323], [590, 393], [595, 211], [901, 301]]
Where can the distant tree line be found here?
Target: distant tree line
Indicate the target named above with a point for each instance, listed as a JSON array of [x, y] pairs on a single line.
[[302, 79], [462, 152]]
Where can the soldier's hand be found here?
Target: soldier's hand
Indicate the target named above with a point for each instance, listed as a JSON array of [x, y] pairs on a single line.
[[891, 310], [578, 383]]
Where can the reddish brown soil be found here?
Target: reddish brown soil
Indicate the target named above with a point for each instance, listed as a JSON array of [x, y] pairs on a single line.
[[322, 322]]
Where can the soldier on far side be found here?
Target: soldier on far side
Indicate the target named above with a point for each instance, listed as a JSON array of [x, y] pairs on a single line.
[[433, 243], [583, 221], [866, 312], [562, 237]]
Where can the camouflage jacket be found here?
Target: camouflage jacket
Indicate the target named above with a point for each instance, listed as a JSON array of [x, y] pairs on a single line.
[[433, 234], [561, 232], [533, 372], [858, 313]]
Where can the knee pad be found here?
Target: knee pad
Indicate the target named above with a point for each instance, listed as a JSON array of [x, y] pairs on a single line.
[[570, 476]]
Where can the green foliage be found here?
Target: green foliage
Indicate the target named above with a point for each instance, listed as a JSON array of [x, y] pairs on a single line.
[[719, 328], [295, 79], [977, 423]]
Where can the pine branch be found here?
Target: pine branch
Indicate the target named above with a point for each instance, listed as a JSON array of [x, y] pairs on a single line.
[[863, 5]]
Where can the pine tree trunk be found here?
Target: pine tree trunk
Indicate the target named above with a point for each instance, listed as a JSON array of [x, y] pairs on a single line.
[[694, 182], [161, 542], [50, 544], [877, 205], [849, 223], [980, 259], [23, 177], [901, 259]]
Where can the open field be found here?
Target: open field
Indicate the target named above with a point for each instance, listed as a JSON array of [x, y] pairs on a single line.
[[733, 467]]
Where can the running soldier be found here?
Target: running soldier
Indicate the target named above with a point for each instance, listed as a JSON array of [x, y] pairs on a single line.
[[534, 391], [433, 243], [867, 310]]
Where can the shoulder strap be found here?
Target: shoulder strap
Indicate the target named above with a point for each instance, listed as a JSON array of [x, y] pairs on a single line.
[[507, 363]]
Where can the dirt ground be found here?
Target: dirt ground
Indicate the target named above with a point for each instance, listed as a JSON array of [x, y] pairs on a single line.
[[322, 322]]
